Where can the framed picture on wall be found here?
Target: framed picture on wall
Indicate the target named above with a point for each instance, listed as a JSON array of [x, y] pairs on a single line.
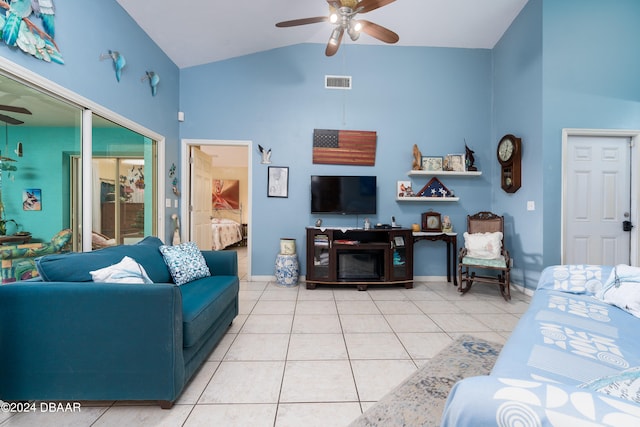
[[277, 181], [32, 199]]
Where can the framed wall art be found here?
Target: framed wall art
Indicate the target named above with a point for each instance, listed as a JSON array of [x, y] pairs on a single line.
[[432, 163], [278, 181], [32, 199]]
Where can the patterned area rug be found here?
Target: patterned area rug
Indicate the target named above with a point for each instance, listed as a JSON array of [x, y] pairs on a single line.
[[420, 399]]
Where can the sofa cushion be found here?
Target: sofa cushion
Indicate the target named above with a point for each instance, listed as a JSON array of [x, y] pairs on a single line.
[[185, 262], [202, 302], [126, 271], [76, 266]]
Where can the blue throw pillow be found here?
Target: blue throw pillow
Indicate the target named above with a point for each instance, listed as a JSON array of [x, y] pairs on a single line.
[[185, 262]]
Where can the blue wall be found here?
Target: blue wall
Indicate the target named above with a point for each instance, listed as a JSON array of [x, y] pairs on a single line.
[[432, 97], [591, 58], [85, 31], [517, 109]]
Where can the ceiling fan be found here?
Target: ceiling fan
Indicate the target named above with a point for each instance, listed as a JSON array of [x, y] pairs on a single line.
[[12, 120], [342, 15]]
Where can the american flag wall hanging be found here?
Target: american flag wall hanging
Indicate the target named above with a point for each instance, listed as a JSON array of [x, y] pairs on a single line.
[[344, 147]]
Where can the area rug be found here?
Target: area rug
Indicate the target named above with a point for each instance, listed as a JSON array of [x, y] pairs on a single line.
[[420, 399]]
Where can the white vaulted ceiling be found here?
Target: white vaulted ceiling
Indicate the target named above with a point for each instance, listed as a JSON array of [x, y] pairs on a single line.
[[197, 32]]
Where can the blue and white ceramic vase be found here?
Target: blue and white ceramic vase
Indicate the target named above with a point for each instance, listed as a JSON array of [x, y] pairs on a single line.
[[287, 270]]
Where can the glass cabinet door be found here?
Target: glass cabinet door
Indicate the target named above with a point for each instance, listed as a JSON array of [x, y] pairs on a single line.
[[400, 257], [321, 248]]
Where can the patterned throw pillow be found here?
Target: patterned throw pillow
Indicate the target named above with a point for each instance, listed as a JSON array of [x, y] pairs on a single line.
[[625, 385], [483, 245], [185, 262]]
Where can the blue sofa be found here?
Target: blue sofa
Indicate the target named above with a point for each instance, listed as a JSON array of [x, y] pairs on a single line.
[[565, 363], [64, 337]]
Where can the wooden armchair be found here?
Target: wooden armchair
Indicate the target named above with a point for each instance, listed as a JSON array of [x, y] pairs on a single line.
[[484, 250]]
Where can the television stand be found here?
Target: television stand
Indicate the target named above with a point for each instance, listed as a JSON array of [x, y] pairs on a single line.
[[358, 257]]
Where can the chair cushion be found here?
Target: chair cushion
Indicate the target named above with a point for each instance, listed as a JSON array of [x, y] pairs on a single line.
[[482, 262], [76, 266], [483, 245]]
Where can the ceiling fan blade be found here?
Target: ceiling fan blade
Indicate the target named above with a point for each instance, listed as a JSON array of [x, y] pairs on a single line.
[[336, 4], [13, 109], [368, 5], [379, 32], [332, 46], [303, 21], [10, 120]]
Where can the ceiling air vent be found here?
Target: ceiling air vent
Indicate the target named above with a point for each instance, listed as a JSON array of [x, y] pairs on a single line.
[[337, 82]]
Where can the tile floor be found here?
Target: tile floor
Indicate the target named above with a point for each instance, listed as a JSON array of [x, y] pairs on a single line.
[[298, 357]]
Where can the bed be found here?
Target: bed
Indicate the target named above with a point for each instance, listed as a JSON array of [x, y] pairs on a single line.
[[225, 232]]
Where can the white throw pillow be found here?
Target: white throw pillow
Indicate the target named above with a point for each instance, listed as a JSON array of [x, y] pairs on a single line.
[[622, 289], [483, 245], [126, 271]]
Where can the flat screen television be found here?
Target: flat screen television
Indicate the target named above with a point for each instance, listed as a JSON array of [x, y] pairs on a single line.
[[346, 195]]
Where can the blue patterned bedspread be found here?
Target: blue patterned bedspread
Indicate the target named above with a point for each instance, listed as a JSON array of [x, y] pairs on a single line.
[[565, 339]]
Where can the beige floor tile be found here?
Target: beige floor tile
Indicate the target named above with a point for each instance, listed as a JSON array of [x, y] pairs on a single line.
[[387, 294], [318, 294], [318, 381], [317, 347], [375, 378], [222, 347], [357, 307], [274, 307], [316, 307], [350, 293], [198, 383], [317, 414], [279, 293], [498, 322], [86, 417], [422, 294], [236, 415], [459, 323], [397, 307], [143, 416], [375, 346], [316, 324], [362, 323], [412, 323], [442, 306], [245, 382], [237, 323], [267, 323], [258, 347], [245, 306], [422, 345], [479, 306]]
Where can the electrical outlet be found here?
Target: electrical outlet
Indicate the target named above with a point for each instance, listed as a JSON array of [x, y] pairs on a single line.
[[531, 205]]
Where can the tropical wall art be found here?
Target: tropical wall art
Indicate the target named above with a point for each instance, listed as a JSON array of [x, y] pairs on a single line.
[[19, 28]]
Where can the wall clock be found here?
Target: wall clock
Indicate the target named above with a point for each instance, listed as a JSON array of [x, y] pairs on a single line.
[[510, 158]]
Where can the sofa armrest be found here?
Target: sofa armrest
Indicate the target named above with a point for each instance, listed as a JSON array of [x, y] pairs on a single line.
[[489, 400], [222, 263], [90, 341]]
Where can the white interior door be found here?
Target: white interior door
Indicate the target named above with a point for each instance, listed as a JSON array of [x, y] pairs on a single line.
[[201, 182], [597, 200]]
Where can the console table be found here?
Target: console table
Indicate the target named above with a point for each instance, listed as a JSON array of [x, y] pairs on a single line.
[[452, 246]]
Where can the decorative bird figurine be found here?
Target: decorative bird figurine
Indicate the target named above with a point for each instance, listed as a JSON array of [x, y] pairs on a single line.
[[154, 79], [18, 10], [266, 155], [45, 10], [118, 61]]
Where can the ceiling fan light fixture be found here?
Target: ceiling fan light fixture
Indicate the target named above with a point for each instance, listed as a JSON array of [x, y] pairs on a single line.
[[335, 36], [354, 29], [333, 18]]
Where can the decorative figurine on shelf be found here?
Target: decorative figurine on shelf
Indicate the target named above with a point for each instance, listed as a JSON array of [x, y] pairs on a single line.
[[446, 224], [469, 159], [417, 158]]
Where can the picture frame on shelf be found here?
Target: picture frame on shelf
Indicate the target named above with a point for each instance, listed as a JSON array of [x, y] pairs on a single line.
[[432, 163], [403, 189], [454, 163], [431, 222], [278, 181]]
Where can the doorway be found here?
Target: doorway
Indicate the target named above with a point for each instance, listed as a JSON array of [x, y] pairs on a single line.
[[231, 163], [597, 204]]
